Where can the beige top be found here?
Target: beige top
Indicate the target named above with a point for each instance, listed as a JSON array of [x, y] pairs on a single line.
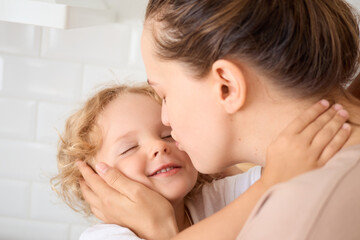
[[321, 204]]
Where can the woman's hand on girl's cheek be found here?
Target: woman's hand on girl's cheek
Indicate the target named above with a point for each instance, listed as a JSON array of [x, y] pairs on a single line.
[[116, 199], [309, 142]]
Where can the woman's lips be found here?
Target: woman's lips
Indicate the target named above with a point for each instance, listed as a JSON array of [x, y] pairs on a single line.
[[179, 146]]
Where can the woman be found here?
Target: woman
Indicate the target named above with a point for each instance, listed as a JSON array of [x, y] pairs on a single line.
[[245, 69]]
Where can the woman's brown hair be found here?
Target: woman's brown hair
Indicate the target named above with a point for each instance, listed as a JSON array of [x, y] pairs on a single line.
[[354, 88], [309, 47]]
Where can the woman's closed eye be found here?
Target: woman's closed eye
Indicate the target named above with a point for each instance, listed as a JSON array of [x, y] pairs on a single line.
[[168, 137]]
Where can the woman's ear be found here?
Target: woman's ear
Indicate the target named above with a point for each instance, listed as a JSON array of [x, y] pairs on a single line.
[[230, 84]]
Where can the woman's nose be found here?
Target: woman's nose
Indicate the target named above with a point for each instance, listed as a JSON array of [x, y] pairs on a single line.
[[164, 116]]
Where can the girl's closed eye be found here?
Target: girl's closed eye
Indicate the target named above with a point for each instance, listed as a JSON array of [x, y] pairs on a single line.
[[128, 150]]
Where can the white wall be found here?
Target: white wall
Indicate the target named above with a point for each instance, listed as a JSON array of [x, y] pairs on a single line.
[[44, 74]]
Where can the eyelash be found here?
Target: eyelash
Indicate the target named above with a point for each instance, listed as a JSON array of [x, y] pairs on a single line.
[[128, 150], [169, 136]]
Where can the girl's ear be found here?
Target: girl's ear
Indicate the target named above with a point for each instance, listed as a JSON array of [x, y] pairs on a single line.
[[230, 84]]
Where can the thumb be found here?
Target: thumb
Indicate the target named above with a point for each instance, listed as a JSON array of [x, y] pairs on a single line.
[[117, 180], [101, 168]]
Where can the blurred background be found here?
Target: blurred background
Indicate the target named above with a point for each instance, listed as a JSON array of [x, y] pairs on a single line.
[[48, 67], [45, 73]]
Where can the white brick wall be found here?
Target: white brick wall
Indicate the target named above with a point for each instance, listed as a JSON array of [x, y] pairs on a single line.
[[103, 45], [17, 118], [44, 74], [21, 39]]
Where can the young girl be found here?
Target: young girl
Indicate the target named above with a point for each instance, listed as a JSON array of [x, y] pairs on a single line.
[[121, 126], [232, 74]]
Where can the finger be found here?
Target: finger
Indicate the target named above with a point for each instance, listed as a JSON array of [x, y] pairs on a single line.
[[93, 180], [118, 181], [336, 144], [327, 133], [313, 128], [90, 197], [307, 117]]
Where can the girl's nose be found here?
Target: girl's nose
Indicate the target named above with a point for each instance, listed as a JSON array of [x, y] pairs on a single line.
[[160, 147]]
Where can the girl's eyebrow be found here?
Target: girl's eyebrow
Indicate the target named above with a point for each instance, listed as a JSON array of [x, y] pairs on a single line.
[[126, 135]]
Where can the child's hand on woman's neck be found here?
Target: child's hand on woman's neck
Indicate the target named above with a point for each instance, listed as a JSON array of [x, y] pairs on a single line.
[[352, 105], [274, 110]]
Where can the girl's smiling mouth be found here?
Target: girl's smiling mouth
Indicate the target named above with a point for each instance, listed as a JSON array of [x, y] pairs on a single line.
[[166, 170]]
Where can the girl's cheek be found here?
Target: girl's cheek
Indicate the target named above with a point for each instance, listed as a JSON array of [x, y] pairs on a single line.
[[132, 167]]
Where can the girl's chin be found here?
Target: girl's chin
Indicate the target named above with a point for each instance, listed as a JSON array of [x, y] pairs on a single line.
[[174, 198]]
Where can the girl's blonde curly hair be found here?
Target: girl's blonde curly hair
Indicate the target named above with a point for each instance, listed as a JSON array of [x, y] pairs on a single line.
[[81, 140]]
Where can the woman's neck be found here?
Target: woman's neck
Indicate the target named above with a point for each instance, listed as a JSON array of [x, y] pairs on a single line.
[[350, 103], [271, 113]]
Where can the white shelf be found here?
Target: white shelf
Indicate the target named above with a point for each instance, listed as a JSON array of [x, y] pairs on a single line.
[[48, 14]]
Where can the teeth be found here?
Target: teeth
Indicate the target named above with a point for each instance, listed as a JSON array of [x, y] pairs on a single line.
[[164, 170]]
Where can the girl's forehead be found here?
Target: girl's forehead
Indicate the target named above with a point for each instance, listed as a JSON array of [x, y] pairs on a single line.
[[133, 100], [130, 109]]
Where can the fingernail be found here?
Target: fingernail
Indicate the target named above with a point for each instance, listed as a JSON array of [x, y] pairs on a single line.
[[101, 167], [325, 103], [343, 113], [338, 107], [346, 126]]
